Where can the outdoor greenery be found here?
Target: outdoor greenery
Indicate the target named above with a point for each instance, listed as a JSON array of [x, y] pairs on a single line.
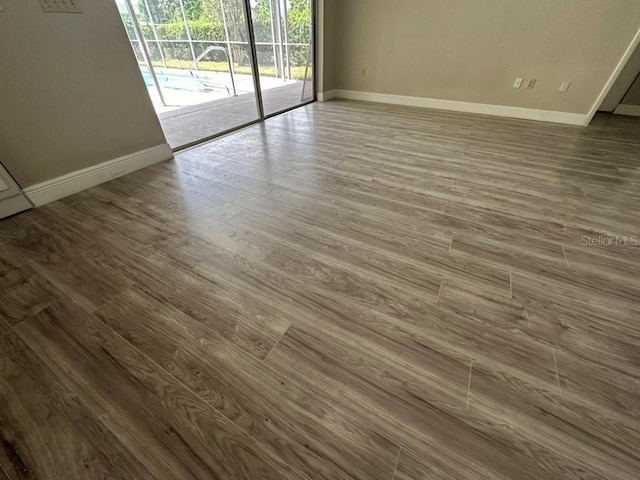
[[163, 20]]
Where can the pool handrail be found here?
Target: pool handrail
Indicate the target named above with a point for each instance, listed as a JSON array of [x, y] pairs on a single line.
[[217, 49]]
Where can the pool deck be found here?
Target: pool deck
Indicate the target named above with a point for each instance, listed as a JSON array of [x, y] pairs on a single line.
[[189, 124]]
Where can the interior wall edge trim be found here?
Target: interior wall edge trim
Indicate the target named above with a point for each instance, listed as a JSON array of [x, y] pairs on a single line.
[[614, 76]]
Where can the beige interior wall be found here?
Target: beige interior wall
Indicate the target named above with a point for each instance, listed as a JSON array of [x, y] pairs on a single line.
[[472, 51], [633, 95], [71, 92]]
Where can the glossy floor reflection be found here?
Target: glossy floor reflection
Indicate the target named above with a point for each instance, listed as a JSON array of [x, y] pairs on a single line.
[[345, 291]]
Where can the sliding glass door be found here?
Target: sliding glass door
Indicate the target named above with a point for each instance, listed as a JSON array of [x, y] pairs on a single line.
[[284, 45], [211, 66], [195, 57]]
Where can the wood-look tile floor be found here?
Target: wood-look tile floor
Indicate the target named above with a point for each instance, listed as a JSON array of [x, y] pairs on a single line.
[[347, 291]]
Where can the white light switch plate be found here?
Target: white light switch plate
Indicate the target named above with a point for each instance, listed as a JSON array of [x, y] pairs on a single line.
[[61, 6], [564, 88]]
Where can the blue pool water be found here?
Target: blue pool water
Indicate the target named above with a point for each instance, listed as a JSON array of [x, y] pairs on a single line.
[[174, 82]]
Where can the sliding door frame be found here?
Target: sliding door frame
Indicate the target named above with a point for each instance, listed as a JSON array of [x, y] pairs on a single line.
[[255, 67], [253, 52], [314, 57]]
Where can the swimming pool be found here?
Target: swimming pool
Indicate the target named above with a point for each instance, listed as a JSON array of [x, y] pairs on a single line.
[[176, 82]]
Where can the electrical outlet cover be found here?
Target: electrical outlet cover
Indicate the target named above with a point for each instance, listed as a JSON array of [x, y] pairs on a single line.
[[61, 6], [564, 88]]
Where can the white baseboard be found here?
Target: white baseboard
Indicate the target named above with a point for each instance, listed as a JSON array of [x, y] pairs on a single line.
[[467, 107], [12, 205], [633, 110], [75, 182], [326, 96]]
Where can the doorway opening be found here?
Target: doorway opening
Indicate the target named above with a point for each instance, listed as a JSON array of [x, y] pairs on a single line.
[[624, 96], [213, 66]]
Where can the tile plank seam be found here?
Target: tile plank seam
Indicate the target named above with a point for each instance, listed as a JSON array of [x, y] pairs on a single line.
[[395, 468]]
